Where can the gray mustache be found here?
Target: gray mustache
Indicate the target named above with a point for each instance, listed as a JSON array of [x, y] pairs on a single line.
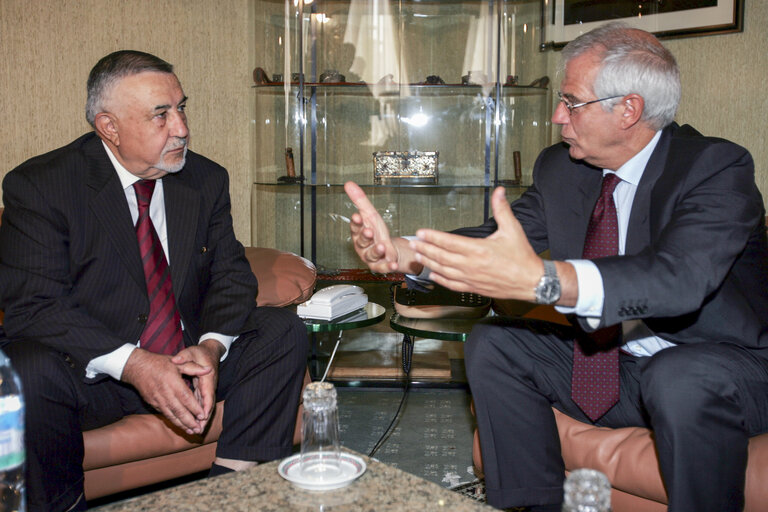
[[176, 144]]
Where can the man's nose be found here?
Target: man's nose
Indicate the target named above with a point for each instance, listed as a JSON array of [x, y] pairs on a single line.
[[561, 115], [179, 125]]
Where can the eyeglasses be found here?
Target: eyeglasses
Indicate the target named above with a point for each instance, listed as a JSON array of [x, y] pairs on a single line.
[[571, 107]]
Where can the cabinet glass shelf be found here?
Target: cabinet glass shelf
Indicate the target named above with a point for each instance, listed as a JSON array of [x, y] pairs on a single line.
[[485, 133], [394, 185], [396, 89]]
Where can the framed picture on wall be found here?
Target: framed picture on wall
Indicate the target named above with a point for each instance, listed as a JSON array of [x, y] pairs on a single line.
[[567, 19]]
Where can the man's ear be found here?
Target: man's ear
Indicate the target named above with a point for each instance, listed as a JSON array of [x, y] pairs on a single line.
[[631, 107], [106, 128]]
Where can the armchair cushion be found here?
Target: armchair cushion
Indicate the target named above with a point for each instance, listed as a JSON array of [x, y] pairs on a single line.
[[143, 436], [284, 278]]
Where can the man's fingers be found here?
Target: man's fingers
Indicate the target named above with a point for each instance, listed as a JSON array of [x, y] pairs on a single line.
[[502, 212], [358, 197], [439, 251], [207, 392], [194, 369], [441, 246], [504, 217]]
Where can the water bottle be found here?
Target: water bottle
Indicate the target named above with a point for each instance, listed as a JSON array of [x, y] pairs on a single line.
[[12, 495], [587, 490]]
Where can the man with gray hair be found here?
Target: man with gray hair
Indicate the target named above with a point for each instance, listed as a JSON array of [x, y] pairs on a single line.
[[126, 292], [659, 259]]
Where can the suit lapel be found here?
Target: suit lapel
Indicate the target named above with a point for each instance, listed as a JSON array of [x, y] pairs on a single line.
[[110, 208], [589, 191], [639, 231], [182, 205]]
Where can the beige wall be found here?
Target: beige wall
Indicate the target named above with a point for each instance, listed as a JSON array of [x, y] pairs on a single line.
[[48, 47], [724, 80]]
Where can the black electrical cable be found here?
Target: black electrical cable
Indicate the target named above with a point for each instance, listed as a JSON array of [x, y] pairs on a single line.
[[407, 358]]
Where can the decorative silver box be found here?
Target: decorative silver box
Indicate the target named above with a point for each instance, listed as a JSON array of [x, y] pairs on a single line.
[[406, 167]]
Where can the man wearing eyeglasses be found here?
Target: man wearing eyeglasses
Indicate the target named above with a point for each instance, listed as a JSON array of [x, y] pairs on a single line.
[[660, 260]]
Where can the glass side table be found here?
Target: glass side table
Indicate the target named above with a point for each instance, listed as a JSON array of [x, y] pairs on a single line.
[[445, 329], [370, 314]]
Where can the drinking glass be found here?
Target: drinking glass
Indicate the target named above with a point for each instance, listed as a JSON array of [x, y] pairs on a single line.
[[320, 454]]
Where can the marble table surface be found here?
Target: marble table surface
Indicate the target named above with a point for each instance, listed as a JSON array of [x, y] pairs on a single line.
[[380, 488]]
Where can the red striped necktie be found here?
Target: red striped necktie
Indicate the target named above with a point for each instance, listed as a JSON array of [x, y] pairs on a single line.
[[162, 334], [595, 378]]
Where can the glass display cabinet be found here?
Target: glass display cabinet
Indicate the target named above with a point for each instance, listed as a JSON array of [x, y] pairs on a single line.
[[427, 104]]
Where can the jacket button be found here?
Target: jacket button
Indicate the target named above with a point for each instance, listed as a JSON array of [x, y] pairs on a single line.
[[142, 318]]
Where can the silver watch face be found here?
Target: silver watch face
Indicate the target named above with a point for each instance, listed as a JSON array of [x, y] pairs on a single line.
[[548, 289]]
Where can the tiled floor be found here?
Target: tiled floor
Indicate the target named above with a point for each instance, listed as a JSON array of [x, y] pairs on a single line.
[[431, 438]]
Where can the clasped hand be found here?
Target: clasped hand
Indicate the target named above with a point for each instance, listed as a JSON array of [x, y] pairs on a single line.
[[160, 381], [503, 265]]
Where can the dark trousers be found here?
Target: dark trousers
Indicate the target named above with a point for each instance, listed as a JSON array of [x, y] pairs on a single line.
[[260, 379], [702, 401]]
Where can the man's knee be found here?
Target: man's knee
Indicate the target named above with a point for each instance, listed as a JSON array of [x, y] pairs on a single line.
[[295, 335], [680, 381], [479, 345], [493, 340], [282, 334], [38, 366]]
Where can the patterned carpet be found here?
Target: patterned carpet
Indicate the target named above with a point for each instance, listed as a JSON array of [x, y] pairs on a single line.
[[432, 437], [474, 490]]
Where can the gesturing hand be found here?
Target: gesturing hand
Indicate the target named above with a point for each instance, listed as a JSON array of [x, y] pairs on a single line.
[[370, 235], [503, 265]]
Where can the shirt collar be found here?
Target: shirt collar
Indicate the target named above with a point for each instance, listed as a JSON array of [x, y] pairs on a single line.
[[632, 170], [126, 178]]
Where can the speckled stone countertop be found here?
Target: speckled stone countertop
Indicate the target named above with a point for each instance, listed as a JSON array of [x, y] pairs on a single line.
[[380, 488]]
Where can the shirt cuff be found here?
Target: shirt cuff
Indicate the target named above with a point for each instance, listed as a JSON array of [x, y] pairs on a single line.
[[425, 271], [112, 364], [591, 295], [221, 338]]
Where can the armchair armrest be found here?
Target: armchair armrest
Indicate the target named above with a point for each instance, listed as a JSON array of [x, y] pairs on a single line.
[[284, 278]]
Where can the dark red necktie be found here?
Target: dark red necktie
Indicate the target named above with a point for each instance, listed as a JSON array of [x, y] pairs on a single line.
[[595, 378], [162, 334]]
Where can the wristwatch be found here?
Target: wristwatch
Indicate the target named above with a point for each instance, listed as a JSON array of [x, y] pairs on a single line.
[[548, 289]]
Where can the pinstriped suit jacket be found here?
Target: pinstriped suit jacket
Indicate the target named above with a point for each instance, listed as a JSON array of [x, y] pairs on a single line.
[[70, 270], [696, 262]]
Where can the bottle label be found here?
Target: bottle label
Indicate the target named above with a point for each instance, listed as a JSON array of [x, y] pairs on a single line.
[[11, 432]]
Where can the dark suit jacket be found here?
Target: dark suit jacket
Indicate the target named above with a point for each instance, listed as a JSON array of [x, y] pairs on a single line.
[[695, 267], [70, 271]]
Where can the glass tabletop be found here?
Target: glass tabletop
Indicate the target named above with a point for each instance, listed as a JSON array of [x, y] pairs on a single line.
[[447, 329], [370, 314]]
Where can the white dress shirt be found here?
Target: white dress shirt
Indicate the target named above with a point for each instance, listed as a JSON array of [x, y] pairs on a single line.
[[113, 363], [638, 339]]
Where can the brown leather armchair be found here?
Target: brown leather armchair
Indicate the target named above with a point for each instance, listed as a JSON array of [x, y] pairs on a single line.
[[144, 449], [627, 456]]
